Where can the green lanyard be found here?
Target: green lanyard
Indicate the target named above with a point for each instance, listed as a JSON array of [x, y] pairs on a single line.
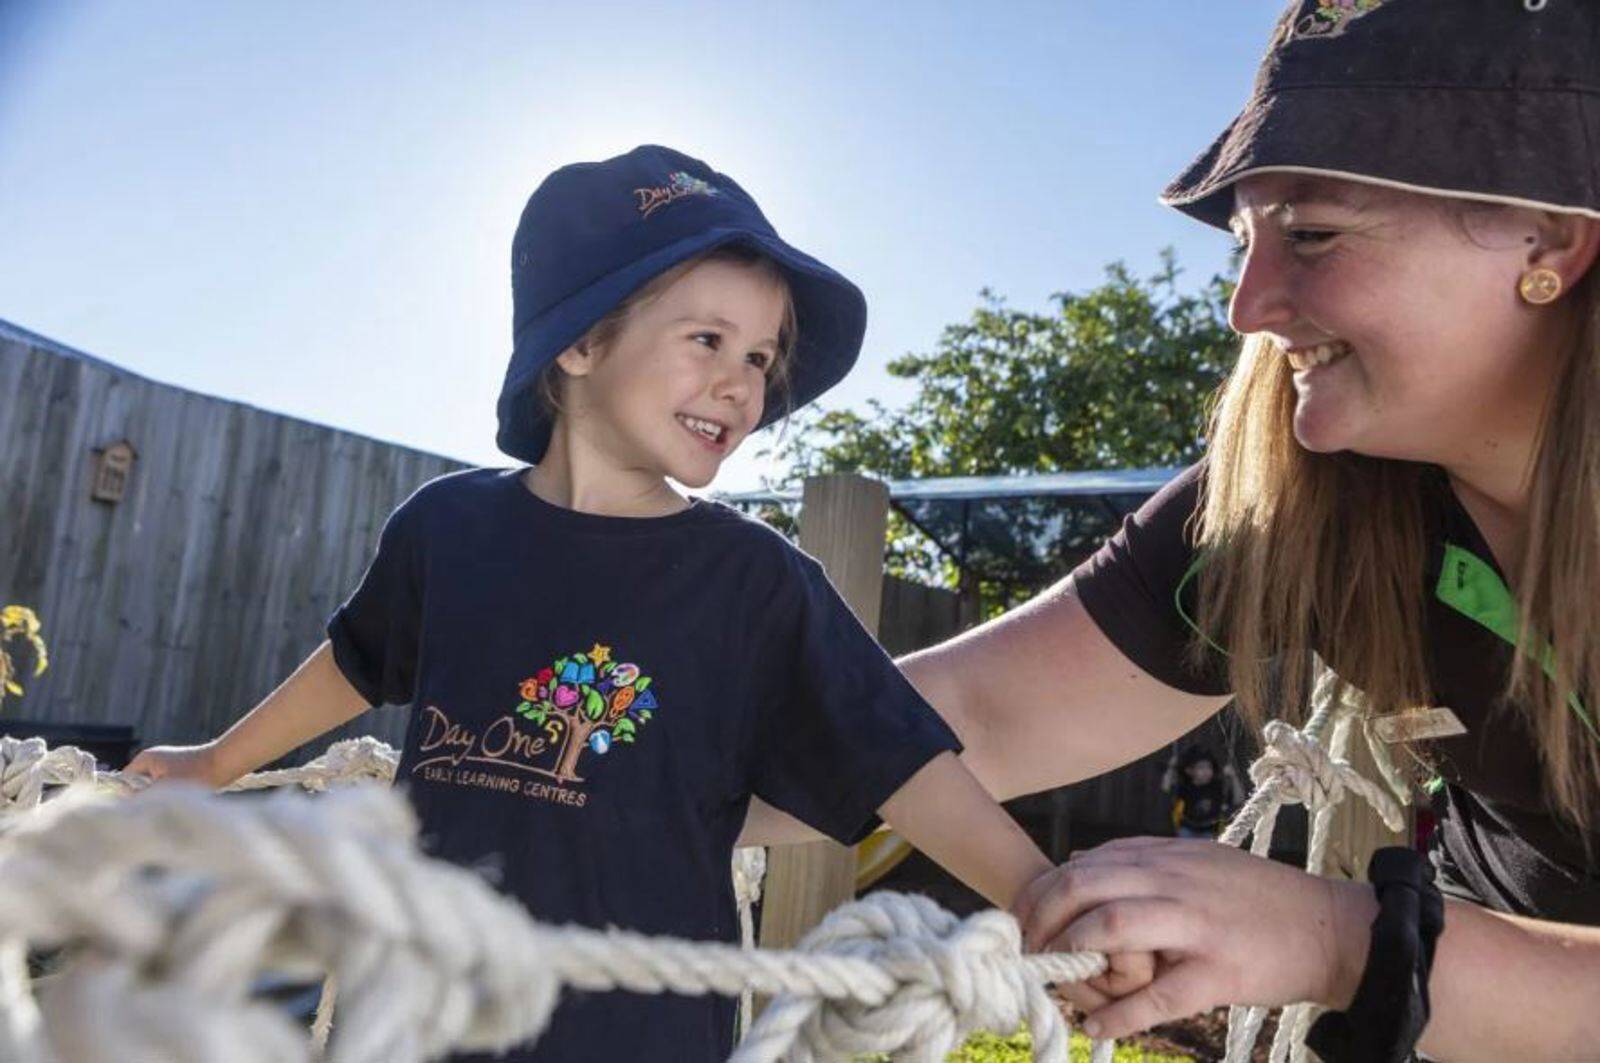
[[1471, 587]]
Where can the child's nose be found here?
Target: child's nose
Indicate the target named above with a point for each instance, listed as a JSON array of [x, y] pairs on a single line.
[[732, 383]]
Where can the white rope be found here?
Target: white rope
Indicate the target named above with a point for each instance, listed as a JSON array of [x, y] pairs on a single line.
[[928, 980], [346, 761], [749, 872], [30, 771], [178, 900], [1295, 1020], [29, 768], [1294, 768]]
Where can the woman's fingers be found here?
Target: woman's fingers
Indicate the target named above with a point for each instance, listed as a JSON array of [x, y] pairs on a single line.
[[1139, 841], [1180, 991], [1127, 972], [1144, 849], [1140, 925], [1054, 900], [1083, 996]]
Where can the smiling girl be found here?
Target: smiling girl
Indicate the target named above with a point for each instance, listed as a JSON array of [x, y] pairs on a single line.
[[602, 671]]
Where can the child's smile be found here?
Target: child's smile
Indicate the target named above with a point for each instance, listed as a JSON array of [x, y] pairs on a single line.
[[712, 434]]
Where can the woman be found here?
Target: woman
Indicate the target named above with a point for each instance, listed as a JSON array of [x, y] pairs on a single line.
[[1403, 478]]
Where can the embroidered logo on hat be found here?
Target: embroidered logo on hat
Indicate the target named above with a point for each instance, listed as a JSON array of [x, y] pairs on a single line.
[[1333, 17], [678, 186]]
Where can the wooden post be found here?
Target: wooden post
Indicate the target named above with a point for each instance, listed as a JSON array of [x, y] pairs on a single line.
[[1357, 831], [842, 523]]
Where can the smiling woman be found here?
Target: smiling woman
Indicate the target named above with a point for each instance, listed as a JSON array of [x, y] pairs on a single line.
[[1403, 481]]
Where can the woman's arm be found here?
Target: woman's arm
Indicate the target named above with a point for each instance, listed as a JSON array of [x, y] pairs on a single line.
[[1040, 698], [1504, 987], [315, 699], [1231, 928]]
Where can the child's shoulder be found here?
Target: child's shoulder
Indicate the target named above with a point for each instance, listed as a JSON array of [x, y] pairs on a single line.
[[755, 537], [462, 491]]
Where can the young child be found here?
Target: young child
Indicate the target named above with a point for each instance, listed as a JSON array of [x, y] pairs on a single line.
[[601, 671], [1202, 797]]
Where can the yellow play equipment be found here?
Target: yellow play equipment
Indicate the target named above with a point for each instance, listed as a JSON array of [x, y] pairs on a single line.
[[877, 856]]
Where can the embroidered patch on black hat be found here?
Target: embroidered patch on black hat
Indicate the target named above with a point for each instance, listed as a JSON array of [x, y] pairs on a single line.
[[678, 185], [1331, 18]]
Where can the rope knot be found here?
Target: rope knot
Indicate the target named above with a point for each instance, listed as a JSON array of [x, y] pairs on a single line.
[[1298, 769], [357, 758], [28, 765], [948, 977]]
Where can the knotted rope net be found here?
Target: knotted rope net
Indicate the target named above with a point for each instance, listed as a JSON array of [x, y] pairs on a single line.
[[1295, 767], [172, 903]]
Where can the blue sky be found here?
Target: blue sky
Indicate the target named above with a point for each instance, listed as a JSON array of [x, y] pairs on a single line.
[[309, 207]]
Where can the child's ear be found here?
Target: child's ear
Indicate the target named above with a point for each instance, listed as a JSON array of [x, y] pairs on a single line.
[[576, 360]]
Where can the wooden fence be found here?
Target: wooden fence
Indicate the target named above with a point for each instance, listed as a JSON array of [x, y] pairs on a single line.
[[240, 531]]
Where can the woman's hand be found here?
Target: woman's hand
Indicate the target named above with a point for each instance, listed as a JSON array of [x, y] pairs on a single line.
[[1125, 972], [196, 763], [1225, 927]]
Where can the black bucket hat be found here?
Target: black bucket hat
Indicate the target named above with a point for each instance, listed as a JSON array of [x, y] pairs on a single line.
[[1495, 100], [593, 233]]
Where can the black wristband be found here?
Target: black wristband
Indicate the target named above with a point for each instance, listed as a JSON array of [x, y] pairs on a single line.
[[1390, 1009]]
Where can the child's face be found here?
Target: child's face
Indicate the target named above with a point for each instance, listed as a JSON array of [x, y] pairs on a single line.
[[684, 380]]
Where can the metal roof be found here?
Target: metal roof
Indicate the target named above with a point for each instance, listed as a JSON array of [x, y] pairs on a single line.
[[1025, 530], [1087, 484]]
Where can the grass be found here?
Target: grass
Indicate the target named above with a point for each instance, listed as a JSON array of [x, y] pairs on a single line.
[[990, 1048]]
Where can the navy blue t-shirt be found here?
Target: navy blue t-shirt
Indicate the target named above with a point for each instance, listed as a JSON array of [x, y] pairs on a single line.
[[594, 701]]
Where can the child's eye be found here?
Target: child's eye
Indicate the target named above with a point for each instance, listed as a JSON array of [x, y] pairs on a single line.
[[712, 340], [762, 360]]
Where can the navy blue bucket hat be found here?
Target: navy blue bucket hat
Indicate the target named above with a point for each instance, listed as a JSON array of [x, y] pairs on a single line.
[[593, 233], [1493, 100]]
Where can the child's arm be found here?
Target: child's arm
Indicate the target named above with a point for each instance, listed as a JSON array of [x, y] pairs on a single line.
[[315, 699], [946, 813], [765, 825]]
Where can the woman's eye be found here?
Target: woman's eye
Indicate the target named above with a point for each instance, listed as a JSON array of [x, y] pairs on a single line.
[[1309, 237]]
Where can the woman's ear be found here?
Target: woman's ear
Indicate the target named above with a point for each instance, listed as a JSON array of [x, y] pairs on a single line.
[[1566, 243]]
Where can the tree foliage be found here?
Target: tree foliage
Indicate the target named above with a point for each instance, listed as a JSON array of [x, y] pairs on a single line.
[[1118, 376]]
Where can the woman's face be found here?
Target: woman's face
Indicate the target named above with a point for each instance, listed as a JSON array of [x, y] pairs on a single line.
[[1398, 313]]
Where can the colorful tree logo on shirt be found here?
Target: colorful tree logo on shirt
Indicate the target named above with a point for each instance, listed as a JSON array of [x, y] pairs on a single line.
[[596, 701]]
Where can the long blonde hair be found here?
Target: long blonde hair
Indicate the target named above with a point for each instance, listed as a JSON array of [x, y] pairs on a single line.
[[1328, 552]]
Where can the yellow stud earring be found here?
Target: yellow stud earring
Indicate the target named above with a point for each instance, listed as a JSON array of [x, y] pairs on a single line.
[[1540, 286]]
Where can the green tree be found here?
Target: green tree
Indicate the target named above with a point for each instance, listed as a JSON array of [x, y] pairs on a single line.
[[1119, 376]]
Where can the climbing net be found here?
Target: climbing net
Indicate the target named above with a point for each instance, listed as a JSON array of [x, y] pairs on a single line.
[[168, 907]]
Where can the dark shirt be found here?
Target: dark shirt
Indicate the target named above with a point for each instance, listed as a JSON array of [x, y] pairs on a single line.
[[1203, 804], [1498, 844], [594, 701]]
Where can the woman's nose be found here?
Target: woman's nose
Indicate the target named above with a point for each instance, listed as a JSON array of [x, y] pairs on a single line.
[[1261, 300]]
